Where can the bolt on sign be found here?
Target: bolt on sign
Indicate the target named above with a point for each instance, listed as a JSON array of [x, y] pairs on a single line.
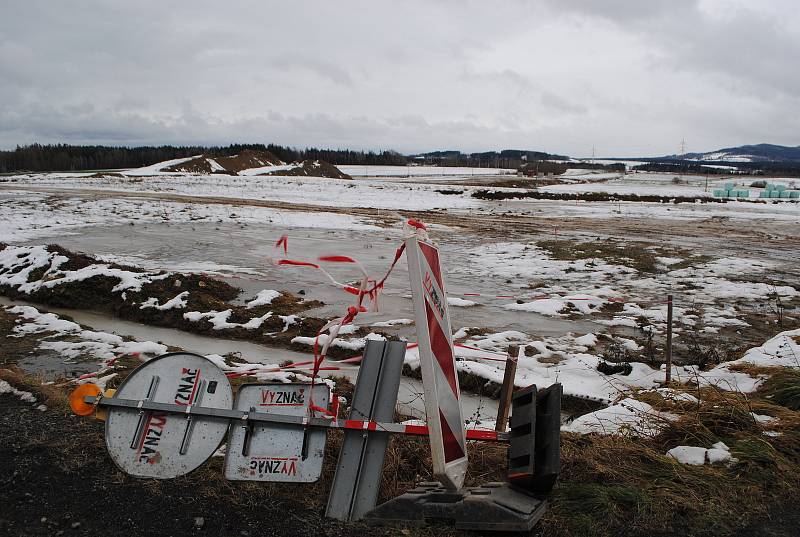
[[437, 360]]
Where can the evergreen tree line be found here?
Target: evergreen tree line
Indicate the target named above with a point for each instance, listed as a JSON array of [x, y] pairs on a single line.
[[774, 169], [63, 157]]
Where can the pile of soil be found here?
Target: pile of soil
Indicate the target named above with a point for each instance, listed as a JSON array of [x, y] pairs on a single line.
[[313, 168], [248, 159], [103, 175], [590, 196], [205, 294], [196, 165]]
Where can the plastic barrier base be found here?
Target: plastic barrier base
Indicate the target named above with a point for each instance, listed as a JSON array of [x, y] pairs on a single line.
[[492, 507]]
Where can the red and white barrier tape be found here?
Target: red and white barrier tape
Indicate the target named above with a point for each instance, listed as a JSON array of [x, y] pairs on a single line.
[[370, 288]]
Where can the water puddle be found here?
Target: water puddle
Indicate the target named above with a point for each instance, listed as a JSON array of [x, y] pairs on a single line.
[[232, 249]]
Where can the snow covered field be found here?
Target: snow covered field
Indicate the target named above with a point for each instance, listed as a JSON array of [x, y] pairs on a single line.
[[728, 264], [420, 171], [299, 190]]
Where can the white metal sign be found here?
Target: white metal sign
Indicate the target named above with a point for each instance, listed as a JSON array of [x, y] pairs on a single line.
[[165, 445], [437, 360], [273, 451]]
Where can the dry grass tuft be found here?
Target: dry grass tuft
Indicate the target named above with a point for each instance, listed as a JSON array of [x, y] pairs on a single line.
[[783, 388]]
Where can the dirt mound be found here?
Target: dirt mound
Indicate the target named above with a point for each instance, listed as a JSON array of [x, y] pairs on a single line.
[[103, 175], [201, 164], [57, 277], [590, 196], [227, 165], [248, 159], [313, 168]]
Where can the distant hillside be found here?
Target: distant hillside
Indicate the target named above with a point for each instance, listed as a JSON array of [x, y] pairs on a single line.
[[746, 153]]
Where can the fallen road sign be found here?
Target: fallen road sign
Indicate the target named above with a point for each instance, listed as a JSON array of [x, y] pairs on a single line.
[[273, 451], [163, 445], [437, 361]]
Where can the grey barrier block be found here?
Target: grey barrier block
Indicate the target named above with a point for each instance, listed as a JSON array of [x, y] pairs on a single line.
[[491, 507], [534, 453]]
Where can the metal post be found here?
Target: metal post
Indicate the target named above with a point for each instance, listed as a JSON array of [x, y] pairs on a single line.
[[508, 388], [668, 377], [356, 482]]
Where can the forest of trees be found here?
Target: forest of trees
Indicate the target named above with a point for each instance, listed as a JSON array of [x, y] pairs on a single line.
[[62, 157], [774, 169]]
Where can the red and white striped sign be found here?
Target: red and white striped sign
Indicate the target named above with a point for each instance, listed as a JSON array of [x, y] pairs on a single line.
[[437, 360]]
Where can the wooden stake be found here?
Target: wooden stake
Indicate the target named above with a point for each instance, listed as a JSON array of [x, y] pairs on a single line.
[[508, 389]]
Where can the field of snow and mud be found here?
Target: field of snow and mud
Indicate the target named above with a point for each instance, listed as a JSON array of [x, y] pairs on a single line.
[[579, 285]]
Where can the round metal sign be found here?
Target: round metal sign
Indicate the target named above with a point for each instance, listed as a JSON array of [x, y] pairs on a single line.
[[166, 445]]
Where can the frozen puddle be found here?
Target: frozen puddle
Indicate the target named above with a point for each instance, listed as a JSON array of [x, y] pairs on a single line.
[[240, 256]]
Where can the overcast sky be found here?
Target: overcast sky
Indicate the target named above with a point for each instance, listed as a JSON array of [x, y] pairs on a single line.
[[629, 77]]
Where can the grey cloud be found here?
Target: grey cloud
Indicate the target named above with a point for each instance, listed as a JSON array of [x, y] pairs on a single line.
[[628, 76]]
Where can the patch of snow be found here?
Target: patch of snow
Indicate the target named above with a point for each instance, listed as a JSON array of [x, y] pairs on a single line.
[[396, 322], [100, 345], [698, 456], [178, 302], [355, 344], [215, 166], [545, 306], [263, 298], [761, 418], [5, 387], [588, 340], [460, 302], [219, 319], [628, 416], [693, 455]]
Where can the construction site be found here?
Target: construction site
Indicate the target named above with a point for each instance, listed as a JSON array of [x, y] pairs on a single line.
[[418, 269], [656, 340]]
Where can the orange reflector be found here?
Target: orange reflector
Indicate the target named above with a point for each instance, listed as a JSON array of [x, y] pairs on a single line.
[[76, 402]]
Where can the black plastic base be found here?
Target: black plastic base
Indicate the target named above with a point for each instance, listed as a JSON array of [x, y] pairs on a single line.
[[492, 507]]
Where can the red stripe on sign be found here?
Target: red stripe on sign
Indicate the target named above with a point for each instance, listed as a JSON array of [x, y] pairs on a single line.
[[432, 256], [441, 348], [452, 448]]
